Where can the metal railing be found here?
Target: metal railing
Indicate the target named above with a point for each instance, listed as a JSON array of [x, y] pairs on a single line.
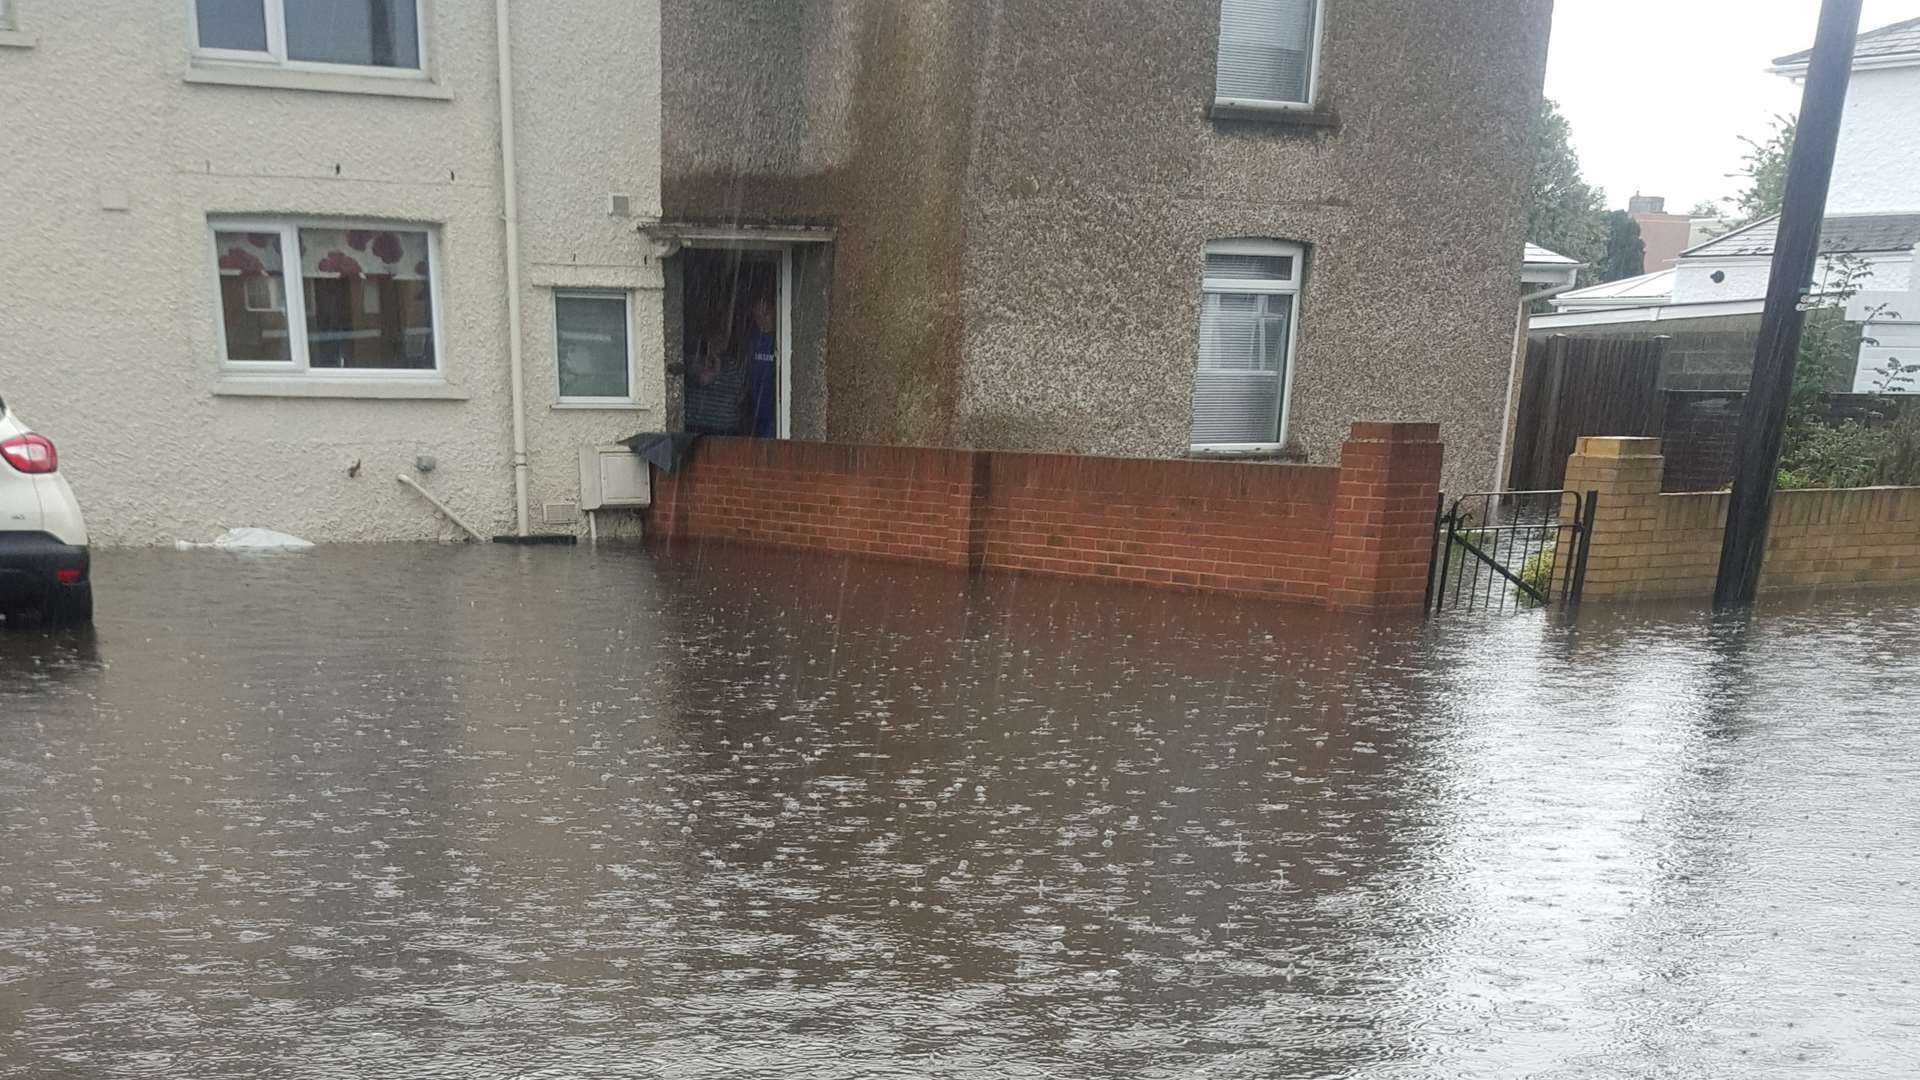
[[1509, 550]]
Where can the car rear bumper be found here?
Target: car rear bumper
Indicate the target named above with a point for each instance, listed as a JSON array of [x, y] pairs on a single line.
[[31, 564]]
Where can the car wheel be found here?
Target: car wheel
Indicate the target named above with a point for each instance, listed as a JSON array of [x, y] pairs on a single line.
[[71, 605]]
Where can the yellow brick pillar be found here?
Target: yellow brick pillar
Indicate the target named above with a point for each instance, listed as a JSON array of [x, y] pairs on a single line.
[[1625, 472]]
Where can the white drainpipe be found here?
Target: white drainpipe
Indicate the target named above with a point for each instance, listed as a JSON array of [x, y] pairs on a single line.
[[1509, 416], [511, 200]]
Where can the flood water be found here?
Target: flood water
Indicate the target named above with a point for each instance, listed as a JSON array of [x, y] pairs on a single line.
[[482, 812]]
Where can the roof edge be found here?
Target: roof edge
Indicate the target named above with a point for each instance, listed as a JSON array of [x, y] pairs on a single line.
[[1748, 227], [1796, 62], [1798, 68]]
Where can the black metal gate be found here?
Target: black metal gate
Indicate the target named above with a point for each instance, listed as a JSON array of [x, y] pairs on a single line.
[[1509, 550]]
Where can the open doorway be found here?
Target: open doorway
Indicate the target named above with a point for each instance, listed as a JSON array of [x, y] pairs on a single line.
[[736, 341]]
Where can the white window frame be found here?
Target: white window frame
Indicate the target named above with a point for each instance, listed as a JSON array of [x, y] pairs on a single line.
[[275, 54], [1313, 74], [625, 296], [1291, 287], [293, 273]]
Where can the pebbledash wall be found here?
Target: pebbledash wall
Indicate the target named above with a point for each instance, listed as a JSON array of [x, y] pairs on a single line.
[[119, 144], [1649, 544], [1017, 268], [1357, 535]]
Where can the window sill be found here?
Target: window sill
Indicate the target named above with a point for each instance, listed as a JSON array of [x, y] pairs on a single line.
[[214, 73], [14, 39], [602, 406], [1282, 116], [364, 389], [1277, 453]]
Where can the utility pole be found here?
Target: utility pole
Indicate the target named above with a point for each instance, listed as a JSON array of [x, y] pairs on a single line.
[[1796, 246]]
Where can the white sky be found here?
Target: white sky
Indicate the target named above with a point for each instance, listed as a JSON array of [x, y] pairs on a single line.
[[1659, 91]]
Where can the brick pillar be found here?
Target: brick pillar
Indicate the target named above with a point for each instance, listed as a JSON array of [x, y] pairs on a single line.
[[1383, 517], [1626, 474]]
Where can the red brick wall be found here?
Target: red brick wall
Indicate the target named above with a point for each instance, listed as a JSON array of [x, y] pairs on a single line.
[[1383, 516], [896, 502], [1356, 535], [1231, 526]]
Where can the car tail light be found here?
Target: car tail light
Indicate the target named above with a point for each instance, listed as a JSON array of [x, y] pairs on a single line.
[[67, 577], [30, 454]]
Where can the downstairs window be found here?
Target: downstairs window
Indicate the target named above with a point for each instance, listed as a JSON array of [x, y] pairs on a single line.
[[1249, 303], [326, 299]]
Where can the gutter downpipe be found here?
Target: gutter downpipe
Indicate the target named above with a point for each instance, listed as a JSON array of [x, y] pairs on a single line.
[[511, 204], [1510, 416]]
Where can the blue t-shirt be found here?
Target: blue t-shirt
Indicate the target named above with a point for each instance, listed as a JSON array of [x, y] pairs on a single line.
[[763, 380]]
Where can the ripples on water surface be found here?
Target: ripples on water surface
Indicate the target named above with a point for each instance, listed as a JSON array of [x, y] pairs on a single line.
[[415, 811]]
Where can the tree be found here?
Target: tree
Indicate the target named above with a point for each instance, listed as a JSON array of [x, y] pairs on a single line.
[[1566, 212], [1765, 170], [1626, 251]]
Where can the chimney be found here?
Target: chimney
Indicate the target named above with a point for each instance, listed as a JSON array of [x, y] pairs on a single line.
[[1647, 204]]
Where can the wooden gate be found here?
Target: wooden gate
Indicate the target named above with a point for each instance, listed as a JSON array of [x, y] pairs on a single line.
[[1574, 386]]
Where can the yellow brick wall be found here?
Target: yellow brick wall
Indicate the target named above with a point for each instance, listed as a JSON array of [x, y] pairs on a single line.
[[1646, 544]]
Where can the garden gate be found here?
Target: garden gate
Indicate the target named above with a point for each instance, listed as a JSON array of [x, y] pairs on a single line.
[[1509, 550]]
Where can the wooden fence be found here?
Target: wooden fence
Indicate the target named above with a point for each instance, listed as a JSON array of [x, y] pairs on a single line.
[[1574, 386]]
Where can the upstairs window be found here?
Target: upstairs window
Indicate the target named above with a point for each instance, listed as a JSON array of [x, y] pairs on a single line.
[[1249, 303], [1267, 52], [377, 36]]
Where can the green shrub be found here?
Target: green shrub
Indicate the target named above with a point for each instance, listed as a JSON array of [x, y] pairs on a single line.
[[1842, 456], [1899, 459], [1537, 572], [1814, 454]]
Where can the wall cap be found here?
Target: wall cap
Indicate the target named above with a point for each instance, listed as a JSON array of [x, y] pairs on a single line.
[[1394, 432], [1617, 446]]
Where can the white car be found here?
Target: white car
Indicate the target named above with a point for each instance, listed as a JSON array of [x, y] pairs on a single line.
[[44, 563]]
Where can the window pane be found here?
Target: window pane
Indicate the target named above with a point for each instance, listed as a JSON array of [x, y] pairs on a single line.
[[1242, 368], [253, 296], [369, 296], [232, 24], [374, 33], [1251, 267], [593, 345], [1266, 48]]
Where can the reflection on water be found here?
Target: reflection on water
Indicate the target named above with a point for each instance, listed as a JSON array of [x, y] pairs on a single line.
[[413, 812]]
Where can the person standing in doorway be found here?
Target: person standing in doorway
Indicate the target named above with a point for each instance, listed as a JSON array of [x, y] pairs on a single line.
[[716, 381], [763, 367]]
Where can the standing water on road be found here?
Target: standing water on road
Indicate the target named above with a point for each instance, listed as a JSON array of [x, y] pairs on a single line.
[[420, 812]]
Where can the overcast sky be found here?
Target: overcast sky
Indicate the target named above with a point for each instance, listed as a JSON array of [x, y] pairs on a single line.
[[1659, 91]]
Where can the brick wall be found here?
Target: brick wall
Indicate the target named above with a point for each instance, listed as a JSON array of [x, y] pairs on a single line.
[[1649, 544], [1236, 527], [1383, 516], [1353, 536], [880, 501]]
